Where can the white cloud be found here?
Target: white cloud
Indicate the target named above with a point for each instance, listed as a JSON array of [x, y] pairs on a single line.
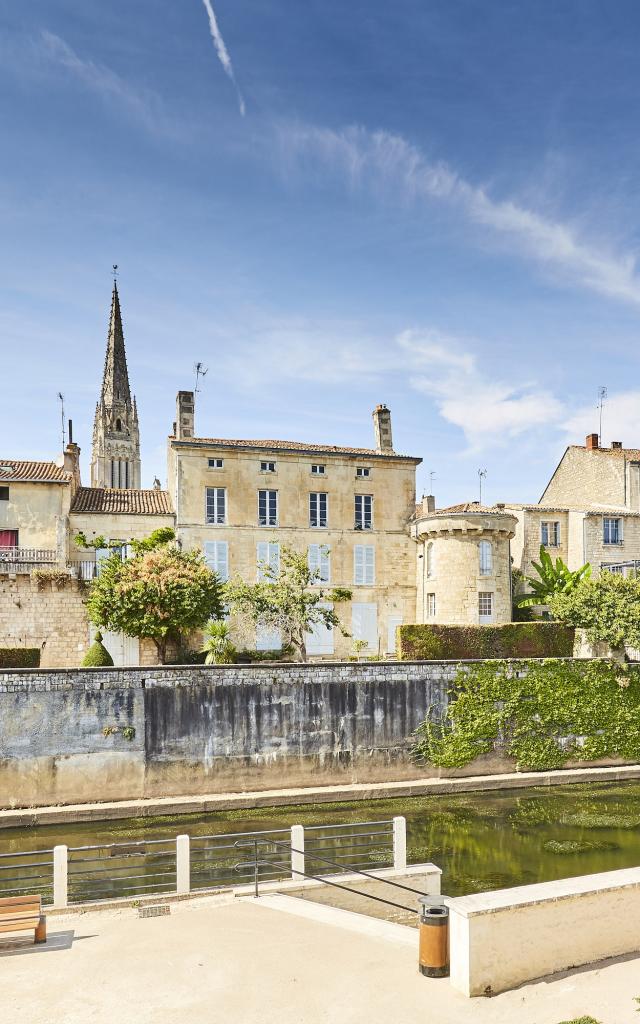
[[381, 160], [620, 420], [223, 53]]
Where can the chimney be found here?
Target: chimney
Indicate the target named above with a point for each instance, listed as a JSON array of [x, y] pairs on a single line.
[[185, 415], [616, 444], [71, 464], [428, 504], [591, 442], [382, 428]]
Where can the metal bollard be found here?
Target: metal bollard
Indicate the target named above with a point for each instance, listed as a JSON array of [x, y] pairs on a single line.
[[433, 957]]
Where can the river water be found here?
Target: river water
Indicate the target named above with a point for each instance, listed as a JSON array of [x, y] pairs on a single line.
[[488, 840]]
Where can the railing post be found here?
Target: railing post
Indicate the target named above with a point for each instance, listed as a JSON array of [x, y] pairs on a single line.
[[60, 874], [399, 843], [183, 865], [297, 857]]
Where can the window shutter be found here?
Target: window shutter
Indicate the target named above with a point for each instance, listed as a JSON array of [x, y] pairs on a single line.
[[262, 557], [358, 564], [369, 565], [325, 568]]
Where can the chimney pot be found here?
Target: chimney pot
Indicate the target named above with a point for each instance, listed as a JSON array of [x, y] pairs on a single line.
[[591, 442]]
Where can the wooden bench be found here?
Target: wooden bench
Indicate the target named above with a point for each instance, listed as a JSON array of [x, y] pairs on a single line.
[[21, 914]]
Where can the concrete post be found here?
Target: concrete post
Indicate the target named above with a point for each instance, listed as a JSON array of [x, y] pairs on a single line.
[[183, 865], [297, 858], [400, 843], [60, 877]]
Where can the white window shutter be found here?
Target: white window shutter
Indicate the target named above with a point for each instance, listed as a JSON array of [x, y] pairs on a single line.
[[325, 567], [314, 557], [274, 557], [262, 557], [358, 564], [369, 564]]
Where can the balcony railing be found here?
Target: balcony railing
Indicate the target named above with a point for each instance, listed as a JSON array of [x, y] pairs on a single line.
[[24, 560]]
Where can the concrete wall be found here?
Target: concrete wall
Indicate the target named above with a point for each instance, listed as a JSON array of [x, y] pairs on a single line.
[[209, 729], [500, 939]]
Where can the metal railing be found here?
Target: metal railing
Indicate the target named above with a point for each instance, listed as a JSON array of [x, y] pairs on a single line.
[[213, 859], [14, 559], [118, 870], [630, 568], [84, 568], [362, 844], [27, 873]]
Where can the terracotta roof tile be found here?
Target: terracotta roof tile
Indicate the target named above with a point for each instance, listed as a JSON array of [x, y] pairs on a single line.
[[294, 446], [19, 471], [124, 502], [470, 506]]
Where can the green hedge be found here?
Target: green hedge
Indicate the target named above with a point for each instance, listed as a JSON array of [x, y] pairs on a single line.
[[19, 657], [426, 642]]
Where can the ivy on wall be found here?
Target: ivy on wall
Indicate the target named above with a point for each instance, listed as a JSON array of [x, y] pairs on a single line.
[[426, 642], [542, 714]]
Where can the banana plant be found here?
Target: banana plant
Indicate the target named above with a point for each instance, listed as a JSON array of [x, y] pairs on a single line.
[[552, 579]]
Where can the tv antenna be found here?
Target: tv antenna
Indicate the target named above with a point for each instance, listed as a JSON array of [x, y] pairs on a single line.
[[482, 475], [602, 394], [200, 371], [432, 476], [61, 400]]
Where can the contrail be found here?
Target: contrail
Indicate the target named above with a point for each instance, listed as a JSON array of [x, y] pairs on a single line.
[[223, 53]]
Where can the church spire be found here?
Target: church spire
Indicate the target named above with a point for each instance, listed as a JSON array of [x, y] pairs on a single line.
[[115, 380]]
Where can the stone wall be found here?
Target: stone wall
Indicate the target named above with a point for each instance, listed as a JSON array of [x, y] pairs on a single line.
[[50, 617], [211, 729]]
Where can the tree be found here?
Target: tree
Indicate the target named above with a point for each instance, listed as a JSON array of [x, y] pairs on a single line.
[[607, 607], [287, 599], [551, 580], [159, 594], [217, 644]]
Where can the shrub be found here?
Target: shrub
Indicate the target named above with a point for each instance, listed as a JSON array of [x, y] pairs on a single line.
[[424, 642], [97, 656], [19, 657]]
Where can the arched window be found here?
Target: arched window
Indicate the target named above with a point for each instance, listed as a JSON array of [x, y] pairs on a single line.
[[118, 424], [430, 558], [486, 557]]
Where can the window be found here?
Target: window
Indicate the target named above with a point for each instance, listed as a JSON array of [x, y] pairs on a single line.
[[267, 508], [268, 558], [267, 638], [318, 509], [216, 554], [4, 493], [486, 557], [216, 506], [364, 565], [216, 463], [319, 640], [318, 559], [431, 606], [8, 539], [485, 606], [118, 425], [612, 531], [363, 512], [267, 467], [119, 473], [550, 534], [430, 559], [318, 470], [363, 471], [364, 624]]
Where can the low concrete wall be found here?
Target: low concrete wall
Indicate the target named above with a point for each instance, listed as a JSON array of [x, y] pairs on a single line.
[[215, 729], [500, 939]]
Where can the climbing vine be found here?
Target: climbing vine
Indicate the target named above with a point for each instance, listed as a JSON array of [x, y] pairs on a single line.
[[541, 713]]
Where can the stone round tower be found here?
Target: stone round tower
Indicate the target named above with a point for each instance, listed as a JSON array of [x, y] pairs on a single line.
[[464, 563]]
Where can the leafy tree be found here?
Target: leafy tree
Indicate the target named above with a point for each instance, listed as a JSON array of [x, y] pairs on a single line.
[[158, 594], [607, 607], [552, 579], [288, 600], [217, 644]]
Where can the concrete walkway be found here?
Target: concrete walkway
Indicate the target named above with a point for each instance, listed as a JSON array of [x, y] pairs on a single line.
[[218, 961]]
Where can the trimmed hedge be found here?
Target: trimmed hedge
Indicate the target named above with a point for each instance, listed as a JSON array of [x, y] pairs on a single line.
[[19, 657], [424, 642]]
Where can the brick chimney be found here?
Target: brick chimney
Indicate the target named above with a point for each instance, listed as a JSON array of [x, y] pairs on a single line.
[[591, 442], [382, 428], [185, 415]]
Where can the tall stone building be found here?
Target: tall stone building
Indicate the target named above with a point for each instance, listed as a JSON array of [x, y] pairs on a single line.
[[115, 453]]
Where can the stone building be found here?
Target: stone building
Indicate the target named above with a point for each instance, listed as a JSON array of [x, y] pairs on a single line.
[[463, 563], [347, 508]]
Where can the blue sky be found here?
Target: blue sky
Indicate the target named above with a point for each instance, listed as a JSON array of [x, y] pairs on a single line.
[[431, 203]]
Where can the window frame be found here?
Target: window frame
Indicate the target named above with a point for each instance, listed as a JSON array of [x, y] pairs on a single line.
[[268, 466], [363, 472], [318, 469], [485, 565], [318, 558], [363, 525], [216, 520], [544, 528], [315, 498], [212, 463], [431, 604], [607, 530], [429, 560], [486, 596], [5, 494], [269, 520]]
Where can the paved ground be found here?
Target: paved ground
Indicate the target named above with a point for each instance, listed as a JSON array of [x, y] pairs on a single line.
[[244, 963]]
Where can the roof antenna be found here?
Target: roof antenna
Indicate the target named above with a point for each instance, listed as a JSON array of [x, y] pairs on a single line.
[[602, 394], [482, 474], [432, 476], [61, 400], [201, 371]]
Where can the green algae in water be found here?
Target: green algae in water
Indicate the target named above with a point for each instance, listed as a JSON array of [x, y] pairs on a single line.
[[590, 819], [576, 846]]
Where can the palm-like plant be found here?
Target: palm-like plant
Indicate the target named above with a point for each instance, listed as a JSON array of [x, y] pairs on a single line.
[[552, 579], [217, 645]]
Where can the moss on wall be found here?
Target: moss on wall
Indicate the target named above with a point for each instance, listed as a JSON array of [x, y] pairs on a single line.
[[19, 657], [426, 642]]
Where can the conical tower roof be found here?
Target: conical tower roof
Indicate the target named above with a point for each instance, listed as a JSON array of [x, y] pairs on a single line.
[[115, 380]]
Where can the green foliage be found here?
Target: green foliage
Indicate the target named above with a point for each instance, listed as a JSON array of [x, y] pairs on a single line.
[[217, 645], [426, 642], [288, 600], [607, 607], [250, 655], [19, 657], [542, 714], [59, 577], [158, 595], [564, 847], [552, 579], [97, 655], [163, 535]]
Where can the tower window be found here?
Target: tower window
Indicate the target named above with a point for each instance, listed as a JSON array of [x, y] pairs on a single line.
[[118, 424]]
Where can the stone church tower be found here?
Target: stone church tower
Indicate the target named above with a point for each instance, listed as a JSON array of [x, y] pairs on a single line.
[[115, 452]]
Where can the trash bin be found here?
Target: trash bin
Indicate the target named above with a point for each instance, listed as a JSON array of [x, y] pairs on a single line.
[[433, 958]]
